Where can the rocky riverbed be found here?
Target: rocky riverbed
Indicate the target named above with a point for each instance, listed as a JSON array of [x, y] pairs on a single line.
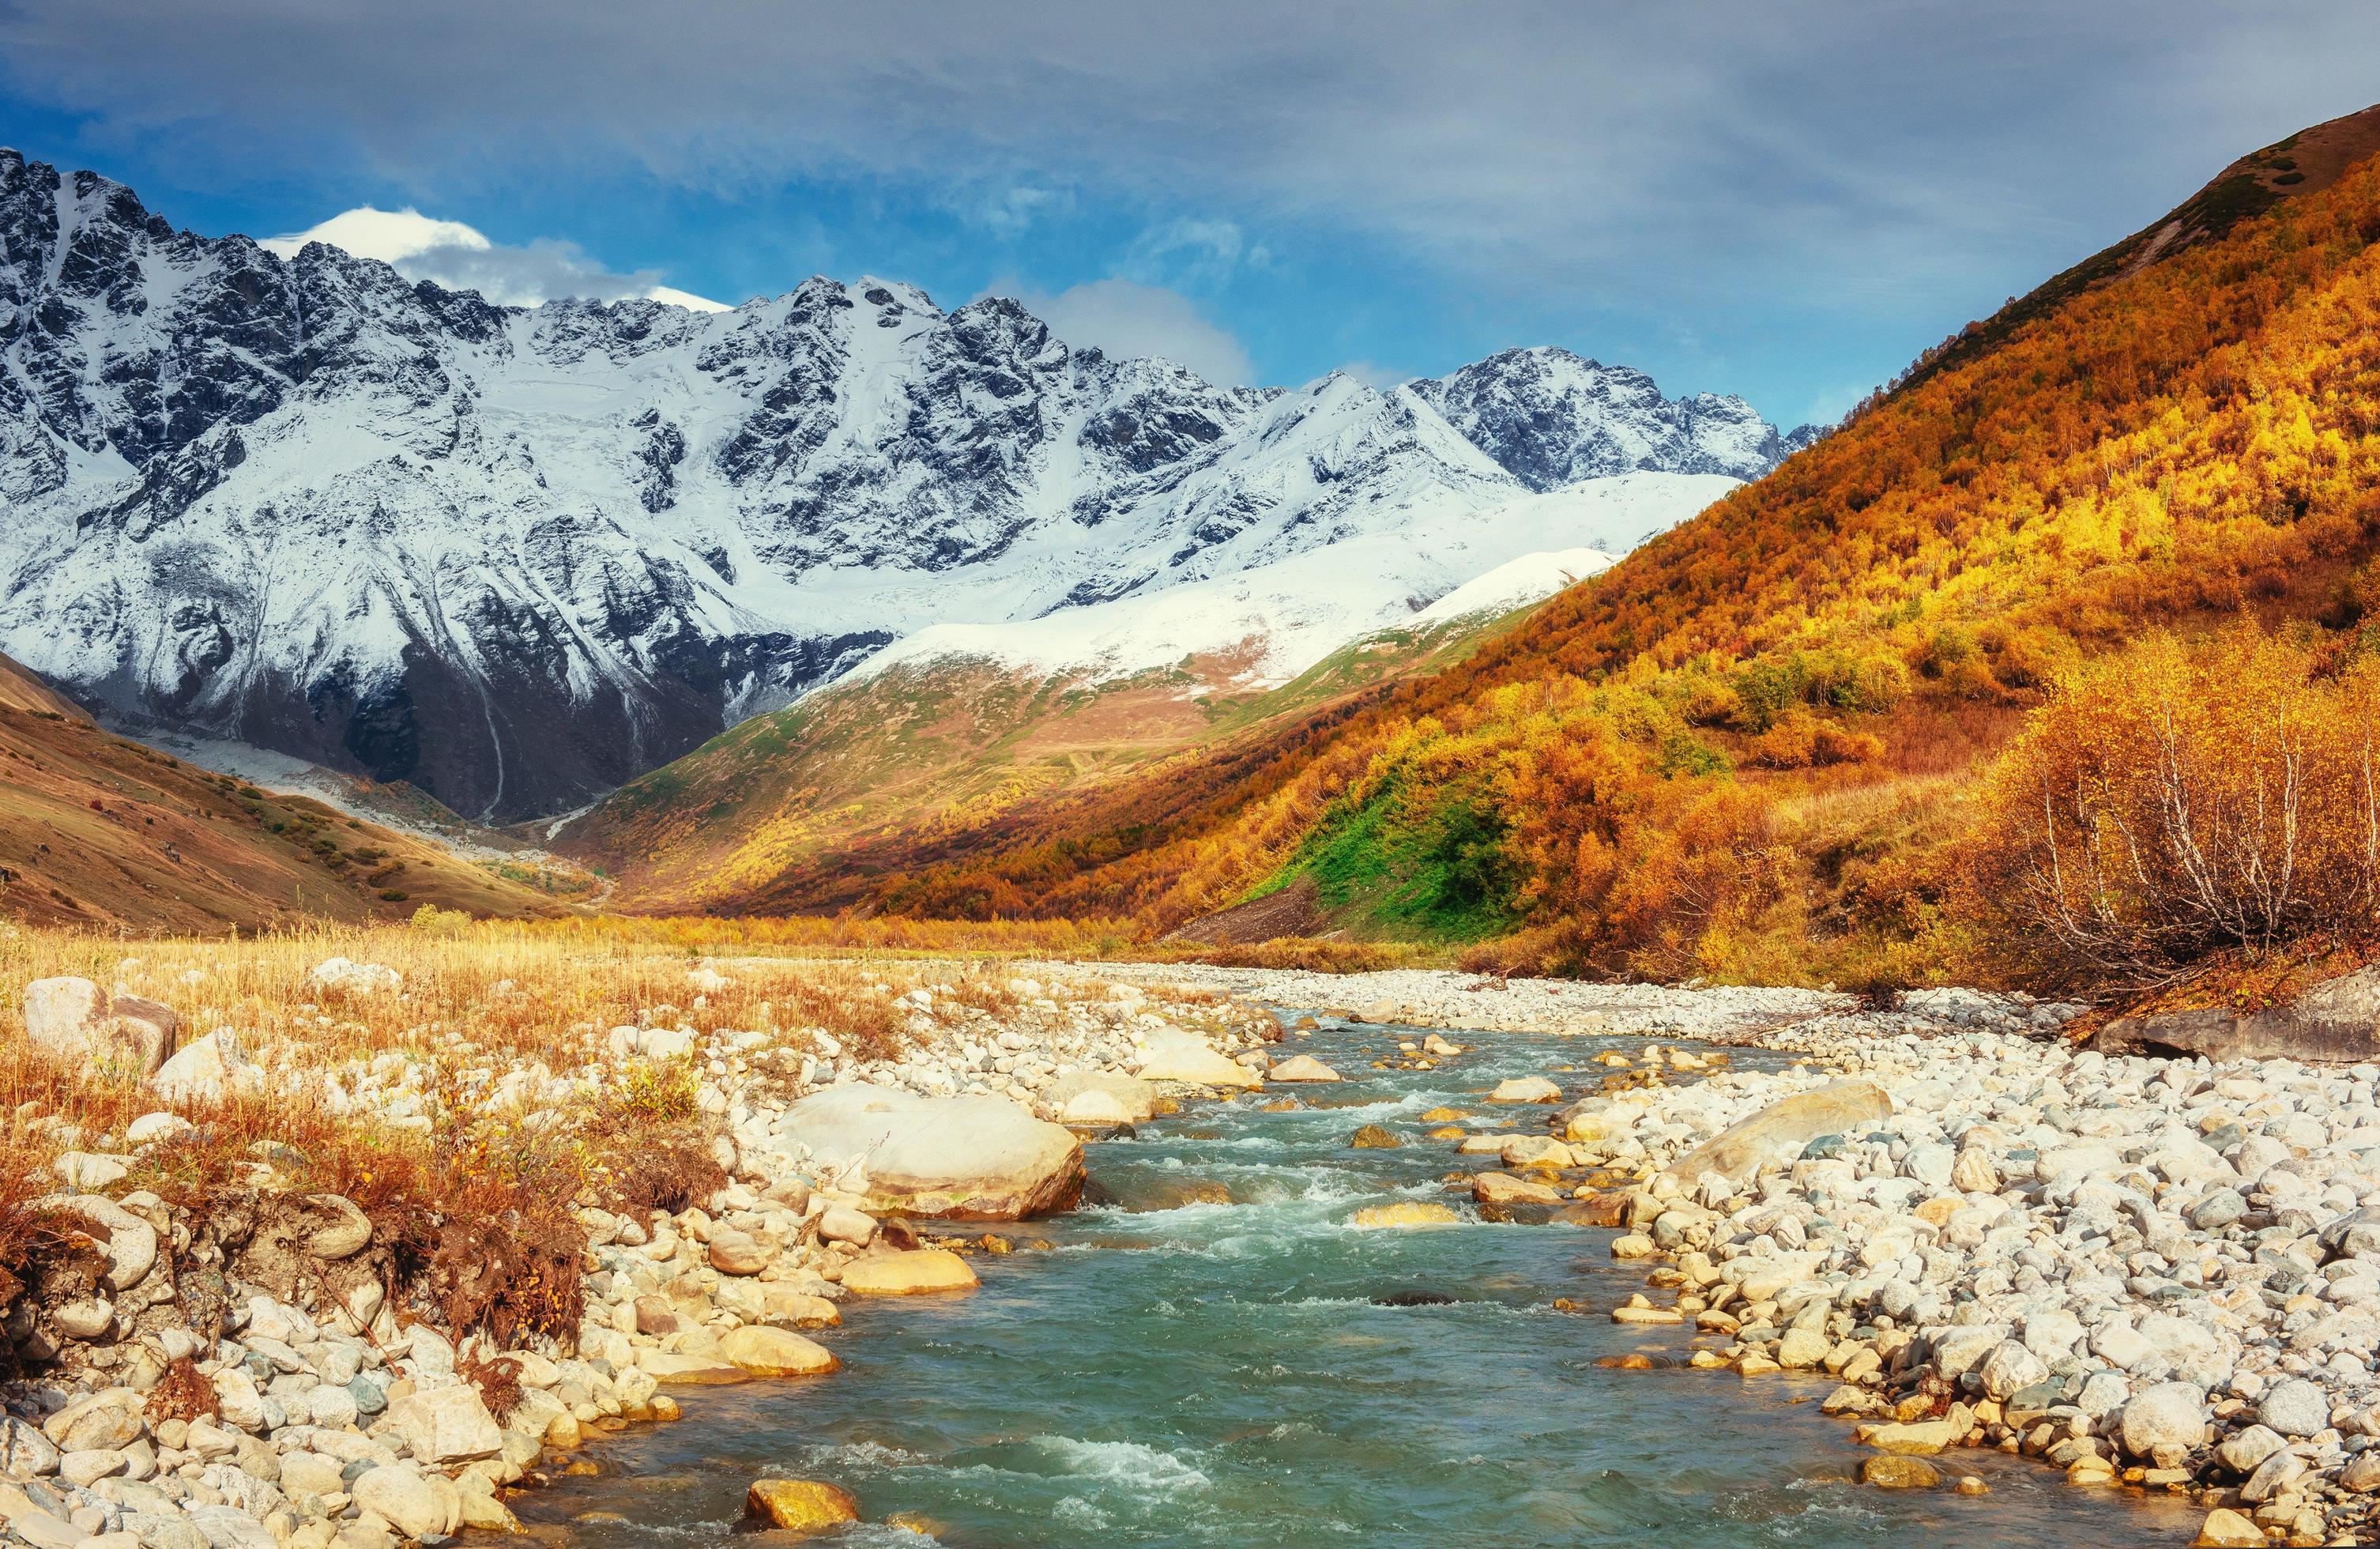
[[255, 1369], [2160, 1274]]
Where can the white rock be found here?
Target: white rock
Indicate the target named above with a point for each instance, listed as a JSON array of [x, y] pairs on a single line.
[[352, 978], [445, 1425], [206, 1068], [2171, 1415], [410, 1500]]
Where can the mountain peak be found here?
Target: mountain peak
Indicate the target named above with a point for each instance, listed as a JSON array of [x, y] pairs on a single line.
[[515, 557], [1550, 416]]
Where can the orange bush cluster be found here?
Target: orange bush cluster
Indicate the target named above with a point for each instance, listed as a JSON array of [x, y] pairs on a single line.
[[2179, 799]]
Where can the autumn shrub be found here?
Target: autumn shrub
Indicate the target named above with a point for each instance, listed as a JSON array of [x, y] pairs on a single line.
[[2178, 798], [1802, 740]]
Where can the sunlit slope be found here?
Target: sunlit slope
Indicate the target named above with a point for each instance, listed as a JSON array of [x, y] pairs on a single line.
[[1738, 741]]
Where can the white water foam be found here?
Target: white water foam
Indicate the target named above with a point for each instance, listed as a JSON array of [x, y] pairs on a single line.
[[1131, 1464]]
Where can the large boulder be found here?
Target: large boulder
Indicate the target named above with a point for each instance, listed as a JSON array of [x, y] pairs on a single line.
[[916, 1272], [208, 1068], [73, 1020], [1778, 1132], [1136, 1098], [773, 1352], [2336, 1022], [2167, 1421], [971, 1158], [415, 1503], [1174, 1055], [1301, 1067], [445, 1425]]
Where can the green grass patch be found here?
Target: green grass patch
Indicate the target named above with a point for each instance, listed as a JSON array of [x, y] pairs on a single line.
[[1428, 866]]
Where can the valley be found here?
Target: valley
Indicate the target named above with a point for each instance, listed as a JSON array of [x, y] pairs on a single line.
[[849, 919]]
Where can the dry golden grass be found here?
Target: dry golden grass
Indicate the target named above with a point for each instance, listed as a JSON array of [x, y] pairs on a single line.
[[474, 1195]]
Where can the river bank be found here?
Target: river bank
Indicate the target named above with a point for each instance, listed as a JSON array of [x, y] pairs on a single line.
[[300, 1251], [2151, 1273]]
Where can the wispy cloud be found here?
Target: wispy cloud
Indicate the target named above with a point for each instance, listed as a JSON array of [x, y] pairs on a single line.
[[1127, 319]]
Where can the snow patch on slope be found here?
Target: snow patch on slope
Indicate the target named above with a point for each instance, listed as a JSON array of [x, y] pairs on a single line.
[[1262, 627]]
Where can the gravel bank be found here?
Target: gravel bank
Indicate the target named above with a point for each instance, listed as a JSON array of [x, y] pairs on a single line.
[[2156, 1273]]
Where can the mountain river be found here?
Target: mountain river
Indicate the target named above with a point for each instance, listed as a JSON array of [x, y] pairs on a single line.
[[1229, 1374]]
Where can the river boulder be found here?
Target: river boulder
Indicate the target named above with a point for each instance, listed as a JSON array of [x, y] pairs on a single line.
[[918, 1272], [1778, 1132], [1170, 1054], [2336, 1022], [1135, 1098], [1407, 1213], [968, 1158], [802, 1504], [773, 1352]]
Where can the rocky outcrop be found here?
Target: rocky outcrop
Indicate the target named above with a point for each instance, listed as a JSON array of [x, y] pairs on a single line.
[[972, 1158], [2336, 1022]]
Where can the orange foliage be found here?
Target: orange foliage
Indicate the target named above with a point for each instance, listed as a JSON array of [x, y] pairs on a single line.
[[2177, 800]]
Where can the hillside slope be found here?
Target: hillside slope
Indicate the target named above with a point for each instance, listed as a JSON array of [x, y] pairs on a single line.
[[97, 830], [950, 725], [1734, 752]]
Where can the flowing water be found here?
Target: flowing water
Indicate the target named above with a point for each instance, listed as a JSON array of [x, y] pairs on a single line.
[[1226, 1374]]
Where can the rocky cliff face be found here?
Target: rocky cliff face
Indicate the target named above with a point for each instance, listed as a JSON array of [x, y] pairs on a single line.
[[517, 556], [1551, 418]]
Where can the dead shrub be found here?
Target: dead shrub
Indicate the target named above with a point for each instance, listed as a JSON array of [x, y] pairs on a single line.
[[647, 1143], [498, 1381], [182, 1394]]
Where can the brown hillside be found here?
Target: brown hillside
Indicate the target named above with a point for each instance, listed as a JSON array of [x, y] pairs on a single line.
[[98, 830]]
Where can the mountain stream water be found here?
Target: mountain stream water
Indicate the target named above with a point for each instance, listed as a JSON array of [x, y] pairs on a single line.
[[1181, 1370]]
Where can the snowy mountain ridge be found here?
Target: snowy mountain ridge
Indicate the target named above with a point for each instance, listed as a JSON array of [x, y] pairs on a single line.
[[517, 556]]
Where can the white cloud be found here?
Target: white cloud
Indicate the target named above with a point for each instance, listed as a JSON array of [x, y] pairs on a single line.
[[1371, 373], [461, 258], [390, 235], [1194, 251], [1126, 319]]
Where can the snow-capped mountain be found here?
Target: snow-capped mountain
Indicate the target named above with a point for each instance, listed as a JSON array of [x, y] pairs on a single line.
[[1549, 418], [516, 555]]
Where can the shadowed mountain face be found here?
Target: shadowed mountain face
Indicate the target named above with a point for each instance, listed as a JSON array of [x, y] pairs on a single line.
[[515, 557]]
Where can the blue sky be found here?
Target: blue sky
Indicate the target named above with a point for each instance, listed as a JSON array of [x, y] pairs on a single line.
[[1784, 201]]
